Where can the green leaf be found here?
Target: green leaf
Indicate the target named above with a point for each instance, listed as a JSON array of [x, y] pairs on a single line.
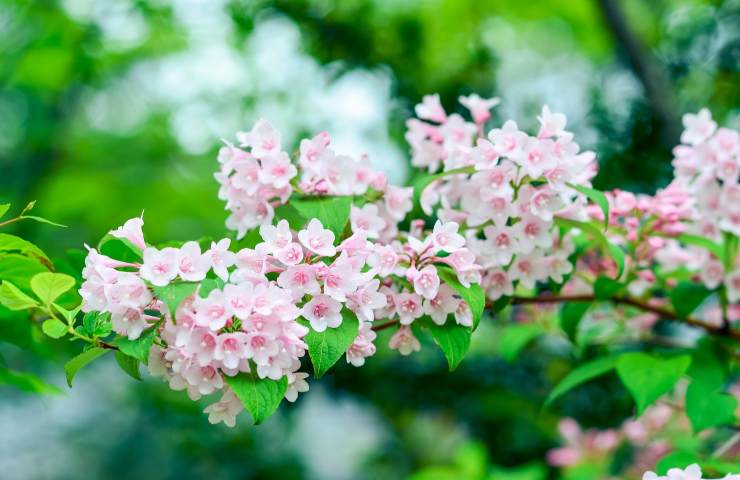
[[43, 220], [12, 298], [139, 348], [703, 242], [605, 288], [54, 328], [13, 244], [581, 375], [597, 197], [260, 396], [679, 459], [327, 347], [120, 249], [421, 184], [532, 471], [571, 314], [96, 324], [513, 338], [453, 339], [73, 366], [208, 285], [332, 212], [4, 208], [128, 364], [647, 376], [49, 286], [474, 295], [18, 269], [687, 296], [612, 250], [27, 382], [706, 407], [174, 293]]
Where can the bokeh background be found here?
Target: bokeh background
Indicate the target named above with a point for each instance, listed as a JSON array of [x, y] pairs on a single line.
[[113, 107]]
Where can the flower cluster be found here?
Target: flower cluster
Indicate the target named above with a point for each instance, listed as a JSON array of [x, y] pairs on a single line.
[[505, 188]]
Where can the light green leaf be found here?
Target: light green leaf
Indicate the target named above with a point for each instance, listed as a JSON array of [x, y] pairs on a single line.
[[571, 314], [260, 396], [605, 288], [13, 299], [18, 269], [139, 348], [13, 244], [174, 293], [96, 324], [4, 208], [73, 366], [612, 250], [597, 197], [54, 328], [679, 459], [703, 242], [49, 286], [513, 338], [474, 295], [332, 212], [43, 220], [647, 376], [208, 285], [687, 296], [706, 407], [327, 347], [128, 364], [27, 382], [422, 183], [453, 339], [582, 374], [532, 471]]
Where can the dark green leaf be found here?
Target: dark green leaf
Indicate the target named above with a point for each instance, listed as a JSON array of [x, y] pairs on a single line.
[[706, 407], [139, 348], [571, 314], [27, 382], [513, 338], [580, 375], [18, 269], [174, 293], [96, 324], [687, 296], [327, 347], [332, 212], [260, 396], [597, 197], [128, 364], [73, 366], [474, 295], [647, 376], [605, 288], [453, 339]]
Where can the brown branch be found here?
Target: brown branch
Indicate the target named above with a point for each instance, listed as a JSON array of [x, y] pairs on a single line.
[[648, 69], [663, 312]]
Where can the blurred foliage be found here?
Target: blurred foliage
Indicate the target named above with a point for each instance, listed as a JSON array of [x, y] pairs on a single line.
[[88, 131]]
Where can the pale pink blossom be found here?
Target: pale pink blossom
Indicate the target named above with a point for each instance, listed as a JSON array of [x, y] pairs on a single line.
[[322, 311], [404, 341], [160, 266]]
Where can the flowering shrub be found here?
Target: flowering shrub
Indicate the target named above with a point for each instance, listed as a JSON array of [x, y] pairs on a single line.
[[325, 253]]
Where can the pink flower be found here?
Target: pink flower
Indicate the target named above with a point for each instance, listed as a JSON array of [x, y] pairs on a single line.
[[366, 220], [277, 170], [442, 305], [404, 341], [480, 108], [463, 315], [263, 139], [508, 140], [445, 237], [409, 307], [300, 279], [192, 266], [276, 237], [383, 259], [551, 124], [712, 274], [398, 201], [498, 284], [239, 299], [732, 283], [131, 231], [362, 347], [366, 300], [221, 258], [430, 108], [291, 254], [426, 282], [230, 349], [322, 311], [504, 244], [160, 266], [699, 127], [341, 279], [317, 239], [213, 311]]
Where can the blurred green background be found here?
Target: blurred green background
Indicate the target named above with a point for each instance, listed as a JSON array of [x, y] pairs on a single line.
[[111, 107]]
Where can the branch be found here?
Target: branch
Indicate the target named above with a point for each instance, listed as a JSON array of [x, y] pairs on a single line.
[[647, 68], [663, 312]]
